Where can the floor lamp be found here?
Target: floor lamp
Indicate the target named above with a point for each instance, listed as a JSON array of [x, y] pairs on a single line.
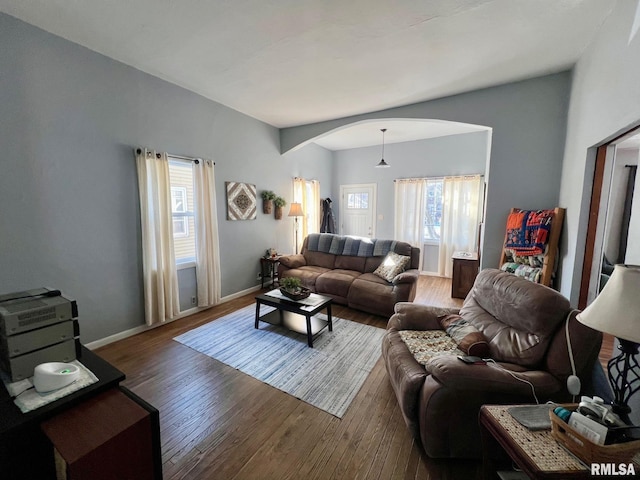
[[616, 311], [296, 211]]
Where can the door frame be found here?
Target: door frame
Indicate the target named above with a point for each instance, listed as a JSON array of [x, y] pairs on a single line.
[[595, 232], [374, 215]]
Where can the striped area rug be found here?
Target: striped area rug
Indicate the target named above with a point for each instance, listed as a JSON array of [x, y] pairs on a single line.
[[327, 376]]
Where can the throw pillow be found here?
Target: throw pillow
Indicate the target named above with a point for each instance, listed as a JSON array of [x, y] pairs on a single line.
[[392, 265], [468, 338]]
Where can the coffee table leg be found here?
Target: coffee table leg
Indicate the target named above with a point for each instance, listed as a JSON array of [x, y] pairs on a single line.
[[309, 335], [330, 320], [257, 313]]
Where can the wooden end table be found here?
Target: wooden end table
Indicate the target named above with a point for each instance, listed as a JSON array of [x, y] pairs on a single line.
[[465, 270], [296, 316], [269, 268], [535, 452]]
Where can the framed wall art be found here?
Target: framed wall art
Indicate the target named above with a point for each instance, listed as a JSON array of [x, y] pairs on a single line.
[[241, 201]]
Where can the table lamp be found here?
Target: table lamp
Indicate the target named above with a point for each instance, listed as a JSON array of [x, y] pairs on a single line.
[[296, 211], [616, 311]]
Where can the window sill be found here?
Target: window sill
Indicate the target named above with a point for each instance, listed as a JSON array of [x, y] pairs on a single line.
[[185, 265]]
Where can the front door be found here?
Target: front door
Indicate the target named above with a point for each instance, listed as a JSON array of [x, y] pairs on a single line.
[[358, 210]]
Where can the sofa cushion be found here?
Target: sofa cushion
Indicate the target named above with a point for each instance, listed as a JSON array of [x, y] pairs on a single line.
[[402, 248], [372, 292], [392, 265], [348, 262], [308, 274], [336, 282], [320, 259], [372, 263], [468, 338]]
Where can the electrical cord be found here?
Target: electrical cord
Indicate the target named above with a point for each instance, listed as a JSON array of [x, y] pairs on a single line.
[[513, 374]]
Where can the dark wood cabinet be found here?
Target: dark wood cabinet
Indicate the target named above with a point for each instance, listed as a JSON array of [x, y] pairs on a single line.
[[89, 433], [465, 270], [112, 435]]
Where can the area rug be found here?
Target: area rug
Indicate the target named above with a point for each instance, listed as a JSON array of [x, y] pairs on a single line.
[[327, 376]]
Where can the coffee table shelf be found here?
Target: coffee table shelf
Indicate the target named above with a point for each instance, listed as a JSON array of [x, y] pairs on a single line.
[[295, 316]]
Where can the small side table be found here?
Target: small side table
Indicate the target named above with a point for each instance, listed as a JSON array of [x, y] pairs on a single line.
[[535, 452], [269, 269], [465, 270]]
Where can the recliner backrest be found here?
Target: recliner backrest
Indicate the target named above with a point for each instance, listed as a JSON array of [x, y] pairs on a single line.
[[585, 346], [517, 317]]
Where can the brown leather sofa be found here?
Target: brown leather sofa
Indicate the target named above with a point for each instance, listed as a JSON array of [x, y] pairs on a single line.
[[524, 326], [342, 268]]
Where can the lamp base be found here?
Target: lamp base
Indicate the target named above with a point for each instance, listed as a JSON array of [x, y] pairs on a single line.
[[624, 376]]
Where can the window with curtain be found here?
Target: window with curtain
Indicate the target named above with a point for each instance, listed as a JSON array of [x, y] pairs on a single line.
[[179, 224], [462, 205], [307, 193], [184, 235], [445, 210], [433, 209]]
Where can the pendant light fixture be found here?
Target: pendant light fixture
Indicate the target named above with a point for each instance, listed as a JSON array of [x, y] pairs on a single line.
[[382, 163]]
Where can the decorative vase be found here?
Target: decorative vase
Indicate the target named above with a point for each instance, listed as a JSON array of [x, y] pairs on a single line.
[[267, 206], [278, 213]]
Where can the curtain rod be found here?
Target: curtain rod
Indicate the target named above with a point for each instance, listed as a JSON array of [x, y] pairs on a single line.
[[440, 177], [179, 157]]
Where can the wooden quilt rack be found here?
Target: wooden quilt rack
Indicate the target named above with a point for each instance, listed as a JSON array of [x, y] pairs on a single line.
[[549, 261]]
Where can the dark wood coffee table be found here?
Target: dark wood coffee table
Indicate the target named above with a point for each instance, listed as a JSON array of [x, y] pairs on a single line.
[[296, 316]]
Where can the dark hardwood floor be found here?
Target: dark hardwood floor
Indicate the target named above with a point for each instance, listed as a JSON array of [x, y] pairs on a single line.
[[218, 423]]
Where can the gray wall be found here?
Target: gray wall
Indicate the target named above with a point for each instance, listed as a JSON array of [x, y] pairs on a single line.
[[528, 119], [605, 101], [452, 155], [69, 214]]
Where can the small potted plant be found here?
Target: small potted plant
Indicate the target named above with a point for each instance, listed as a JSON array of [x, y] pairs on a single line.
[[292, 288], [267, 201], [279, 202]]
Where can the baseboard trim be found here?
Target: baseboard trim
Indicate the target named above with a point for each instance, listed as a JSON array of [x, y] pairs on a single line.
[[143, 328]]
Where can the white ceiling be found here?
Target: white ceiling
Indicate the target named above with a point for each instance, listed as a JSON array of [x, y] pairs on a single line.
[[292, 62]]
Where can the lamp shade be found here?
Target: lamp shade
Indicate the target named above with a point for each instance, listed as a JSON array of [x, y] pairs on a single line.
[[296, 210], [616, 310]]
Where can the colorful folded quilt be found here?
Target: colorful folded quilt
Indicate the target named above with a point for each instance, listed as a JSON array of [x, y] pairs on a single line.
[[528, 231], [533, 274]]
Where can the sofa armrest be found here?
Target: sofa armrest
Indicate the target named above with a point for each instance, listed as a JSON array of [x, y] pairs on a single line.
[[453, 373], [408, 276], [293, 261], [413, 316]]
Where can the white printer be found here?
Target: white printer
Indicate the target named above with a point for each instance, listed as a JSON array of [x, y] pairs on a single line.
[[36, 326]]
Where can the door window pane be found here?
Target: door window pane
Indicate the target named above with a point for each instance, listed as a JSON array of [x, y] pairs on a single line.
[[358, 200]]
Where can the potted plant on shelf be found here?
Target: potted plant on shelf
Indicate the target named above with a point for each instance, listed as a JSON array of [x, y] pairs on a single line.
[[292, 288], [279, 202], [267, 201]]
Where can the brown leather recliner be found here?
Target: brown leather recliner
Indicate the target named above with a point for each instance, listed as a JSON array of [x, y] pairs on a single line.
[[524, 325]]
